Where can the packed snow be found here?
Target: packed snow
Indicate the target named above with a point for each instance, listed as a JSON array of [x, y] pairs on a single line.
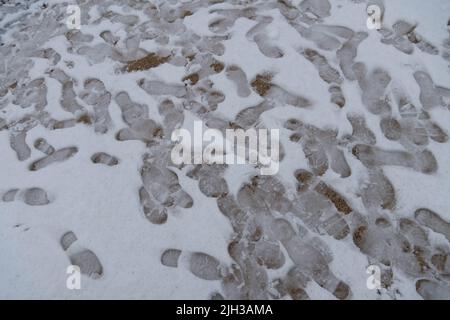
[[359, 208]]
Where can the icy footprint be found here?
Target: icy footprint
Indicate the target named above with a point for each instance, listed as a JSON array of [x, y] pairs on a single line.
[[76, 37], [266, 47], [68, 99], [247, 279], [3, 124], [446, 45], [42, 145], [371, 157], [33, 93], [228, 207], [17, 136], [319, 215], [161, 190], [317, 8], [380, 241], [391, 128], [398, 37], [326, 71], [361, 133], [430, 95], [328, 74], [239, 78], [131, 111], [249, 283], [416, 236], [200, 264], [212, 45], [199, 66], [210, 180], [431, 290], [411, 133], [104, 158], [60, 155], [163, 185], [292, 284], [153, 211], [210, 97], [414, 126], [263, 194], [136, 116], [314, 153], [236, 284], [158, 88], [337, 97], [249, 117], [404, 37], [227, 18], [85, 259], [95, 94], [145, 130], [307, 181], [262, 197], [263, 86], [98, 53], [320, 148], [374, 88], [172, 115], [310, 257], [52, 124], [129, 20], [377, 191], [31, 196], [109, 38], [441, 262], [422, 43], [347, 53], [49, 53], [433, 221], [326, 37], [435, 132]]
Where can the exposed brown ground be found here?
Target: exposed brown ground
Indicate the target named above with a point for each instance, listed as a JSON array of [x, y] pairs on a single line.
[[150, 61]]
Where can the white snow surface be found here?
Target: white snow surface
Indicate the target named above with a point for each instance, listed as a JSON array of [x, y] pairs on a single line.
[[100, 203]]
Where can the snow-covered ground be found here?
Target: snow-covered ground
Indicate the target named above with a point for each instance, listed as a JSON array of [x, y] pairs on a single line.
[[86, 179]]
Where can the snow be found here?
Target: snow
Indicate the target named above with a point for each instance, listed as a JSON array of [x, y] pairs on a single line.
[[101, 205]]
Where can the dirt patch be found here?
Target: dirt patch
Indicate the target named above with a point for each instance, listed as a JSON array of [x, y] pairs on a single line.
[[217, 66], [359, 235], [296, 137], [150, 61], [262, 84], [304, 178], [338, 201], [297, 293], [85, 118], [190, 57], [342, 291], [186, 13], [192, 78], [439, 261], [418, 253]]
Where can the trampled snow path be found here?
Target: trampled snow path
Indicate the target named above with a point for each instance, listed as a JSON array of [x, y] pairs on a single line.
[[86, 177]]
